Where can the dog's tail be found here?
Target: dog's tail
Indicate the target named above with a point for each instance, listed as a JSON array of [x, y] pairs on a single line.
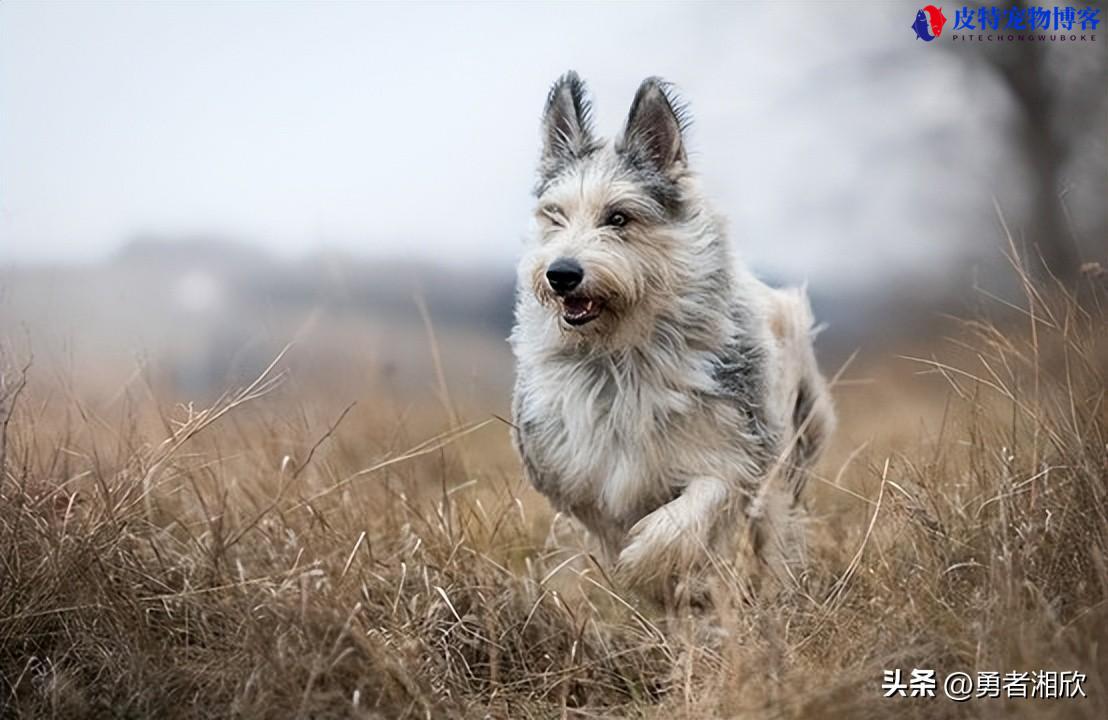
[[809, 413]]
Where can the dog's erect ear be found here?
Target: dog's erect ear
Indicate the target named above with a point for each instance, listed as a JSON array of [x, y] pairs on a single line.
[[655, 127], [567, 123]]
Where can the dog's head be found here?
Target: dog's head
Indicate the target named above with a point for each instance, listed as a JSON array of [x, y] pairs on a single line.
[[611, 245]]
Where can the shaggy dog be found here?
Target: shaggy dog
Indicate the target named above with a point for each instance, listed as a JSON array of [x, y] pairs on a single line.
[[664, 397]]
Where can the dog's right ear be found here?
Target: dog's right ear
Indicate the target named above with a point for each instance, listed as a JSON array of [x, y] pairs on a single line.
[[567, 123]]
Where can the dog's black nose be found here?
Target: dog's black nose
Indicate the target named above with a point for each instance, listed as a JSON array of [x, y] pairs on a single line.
[[564, 274]]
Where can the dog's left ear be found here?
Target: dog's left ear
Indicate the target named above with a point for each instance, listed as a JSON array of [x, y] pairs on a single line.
[[655, 127]]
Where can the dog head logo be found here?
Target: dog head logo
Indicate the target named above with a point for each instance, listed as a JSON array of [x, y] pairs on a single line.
[[929, 23], [614, 219]]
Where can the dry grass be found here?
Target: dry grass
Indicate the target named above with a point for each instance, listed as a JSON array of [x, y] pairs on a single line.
[[268, 558]]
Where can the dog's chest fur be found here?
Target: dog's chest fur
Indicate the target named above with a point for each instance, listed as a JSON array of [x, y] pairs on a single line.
[[619, 435]]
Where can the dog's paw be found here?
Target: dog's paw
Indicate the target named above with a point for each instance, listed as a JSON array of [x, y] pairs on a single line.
[[655, 551], [664, 563], [672, 543]]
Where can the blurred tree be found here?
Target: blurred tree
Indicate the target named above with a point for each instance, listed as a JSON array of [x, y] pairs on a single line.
[[1059, 102]]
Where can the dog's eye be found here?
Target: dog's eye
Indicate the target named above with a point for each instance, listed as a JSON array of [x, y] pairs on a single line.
[[553, 213], [616, 219]]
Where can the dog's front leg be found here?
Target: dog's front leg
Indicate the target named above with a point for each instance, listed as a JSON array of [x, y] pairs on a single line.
[[669, 543]]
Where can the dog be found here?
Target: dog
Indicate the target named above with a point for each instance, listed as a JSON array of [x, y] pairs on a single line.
[[664, 397]]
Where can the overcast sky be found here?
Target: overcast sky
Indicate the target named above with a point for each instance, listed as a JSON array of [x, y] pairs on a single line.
[[834, 140]]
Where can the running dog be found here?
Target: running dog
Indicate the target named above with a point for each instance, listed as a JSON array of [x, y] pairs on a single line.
[[664, 397]]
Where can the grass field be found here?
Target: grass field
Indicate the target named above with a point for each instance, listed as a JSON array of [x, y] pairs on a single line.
[[283, 553]]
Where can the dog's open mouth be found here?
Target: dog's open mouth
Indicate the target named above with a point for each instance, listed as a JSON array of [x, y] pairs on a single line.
[[578, 310]]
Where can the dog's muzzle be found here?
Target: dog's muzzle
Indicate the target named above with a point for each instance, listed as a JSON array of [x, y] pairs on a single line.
[[565, 276]]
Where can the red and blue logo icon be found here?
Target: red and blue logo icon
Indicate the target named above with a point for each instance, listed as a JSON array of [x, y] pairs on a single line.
[[929, 23]]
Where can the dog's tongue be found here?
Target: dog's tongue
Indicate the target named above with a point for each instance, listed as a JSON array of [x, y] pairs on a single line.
[[578, 305]]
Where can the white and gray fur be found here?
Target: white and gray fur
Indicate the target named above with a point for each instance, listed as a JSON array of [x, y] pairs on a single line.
[[687, 414]]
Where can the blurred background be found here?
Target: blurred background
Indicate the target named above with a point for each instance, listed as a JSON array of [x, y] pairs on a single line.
[[187, 187]]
